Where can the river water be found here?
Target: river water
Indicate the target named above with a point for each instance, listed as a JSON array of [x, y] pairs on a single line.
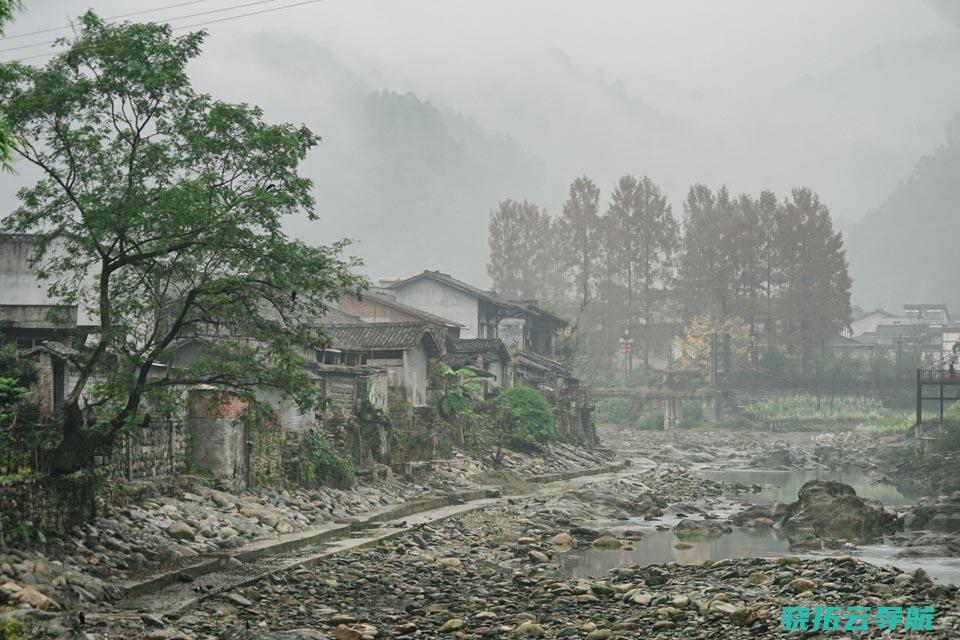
[[658, 547]]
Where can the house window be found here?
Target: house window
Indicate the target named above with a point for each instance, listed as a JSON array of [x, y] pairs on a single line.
[[23, 344]]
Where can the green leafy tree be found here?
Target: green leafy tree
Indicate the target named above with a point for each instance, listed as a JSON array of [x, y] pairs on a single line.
[[160, 211], [7, 7]]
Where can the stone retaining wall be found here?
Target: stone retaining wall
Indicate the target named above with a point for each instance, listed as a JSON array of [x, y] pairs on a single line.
[[45, 504]]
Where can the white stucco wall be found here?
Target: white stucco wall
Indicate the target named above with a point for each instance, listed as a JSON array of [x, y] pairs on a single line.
[[868, 323], [415, 375], [441, 300], [19, 284]]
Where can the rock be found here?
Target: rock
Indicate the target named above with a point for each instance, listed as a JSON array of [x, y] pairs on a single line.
[[8, 590], [538, 556], [833, 509], [643, 599], [599, 634], [607, 542], [180, 530], [450, 563], [453, 624], [663, 625], [528, 629], [150, 620], [743, 616], [799, 585], [720, 606], [300, 634], [237, 599], [562, 539], [343, 632], [221, 499], [701, 528], [33, 598]]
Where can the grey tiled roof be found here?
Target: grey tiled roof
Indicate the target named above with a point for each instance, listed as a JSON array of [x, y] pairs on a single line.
[[380, 336], [476, 345]]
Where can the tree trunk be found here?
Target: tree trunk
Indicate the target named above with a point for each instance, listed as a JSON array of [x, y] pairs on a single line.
[[78, 446]]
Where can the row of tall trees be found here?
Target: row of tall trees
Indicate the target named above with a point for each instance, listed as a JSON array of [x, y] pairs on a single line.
[[777, 264]]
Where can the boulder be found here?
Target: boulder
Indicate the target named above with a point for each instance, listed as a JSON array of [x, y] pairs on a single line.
[[180, 530], [701, 528], [833, 510]]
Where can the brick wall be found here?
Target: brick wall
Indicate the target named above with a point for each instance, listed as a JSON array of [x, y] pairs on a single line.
[[373, 310]]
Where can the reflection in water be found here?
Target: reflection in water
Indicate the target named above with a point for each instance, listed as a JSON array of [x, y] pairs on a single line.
[[659, 546], [784, 485]]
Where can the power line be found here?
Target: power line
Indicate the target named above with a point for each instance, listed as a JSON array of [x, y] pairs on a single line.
[[122, 15], [191, 26], [183, 17], [244, 15]]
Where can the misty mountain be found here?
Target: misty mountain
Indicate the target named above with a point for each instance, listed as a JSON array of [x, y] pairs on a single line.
[[906, 250], [411, 182]]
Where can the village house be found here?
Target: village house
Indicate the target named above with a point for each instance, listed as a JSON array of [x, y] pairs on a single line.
[[478, 312], [30, 319], [402, 349], [381, 305], [486, 356]]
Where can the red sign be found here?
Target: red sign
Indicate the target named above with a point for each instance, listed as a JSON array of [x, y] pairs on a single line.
[[626, 345]]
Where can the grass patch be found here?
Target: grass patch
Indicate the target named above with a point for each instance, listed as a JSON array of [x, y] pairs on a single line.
[[801, 411]]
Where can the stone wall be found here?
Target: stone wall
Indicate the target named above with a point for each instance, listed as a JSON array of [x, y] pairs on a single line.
[[47, 504], [158, 449], [266, 453]]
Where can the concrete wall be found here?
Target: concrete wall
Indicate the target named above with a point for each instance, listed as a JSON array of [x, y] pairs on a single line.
[[19, 284], [415, 375], [443, 301]]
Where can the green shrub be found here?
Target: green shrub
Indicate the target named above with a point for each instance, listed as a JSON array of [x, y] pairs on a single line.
[[13, 630], [652, 422], [321, 464], [526, 416], [617, 411], [692, 414], [948, 440]]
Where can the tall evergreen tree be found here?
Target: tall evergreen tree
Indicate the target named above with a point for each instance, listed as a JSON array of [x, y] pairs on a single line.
[[518, 239], [642, 239], [705, 269], [579, 234], [815, 300]]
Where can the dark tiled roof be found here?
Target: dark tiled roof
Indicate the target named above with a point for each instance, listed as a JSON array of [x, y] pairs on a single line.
[[476, 345], [380, 336], [543, 362]]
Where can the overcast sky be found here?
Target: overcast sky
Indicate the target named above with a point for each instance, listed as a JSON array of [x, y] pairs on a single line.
[[843, 96]]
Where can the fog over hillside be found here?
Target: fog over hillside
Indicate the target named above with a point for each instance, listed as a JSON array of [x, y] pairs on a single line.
[[432, 111]]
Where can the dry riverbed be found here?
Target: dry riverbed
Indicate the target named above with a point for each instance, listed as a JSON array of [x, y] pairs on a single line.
[[683, 544]]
